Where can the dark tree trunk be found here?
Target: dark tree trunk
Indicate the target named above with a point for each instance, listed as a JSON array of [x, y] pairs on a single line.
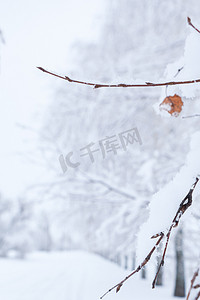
[[133, 261], [180, 274], [126, 262], [118, 259], [144, 273], [159, 281]]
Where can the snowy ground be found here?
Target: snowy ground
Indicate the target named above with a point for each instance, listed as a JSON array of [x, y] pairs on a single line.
[[69, 276]]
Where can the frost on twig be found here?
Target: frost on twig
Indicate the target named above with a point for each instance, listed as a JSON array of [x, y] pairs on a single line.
[[185, 203]]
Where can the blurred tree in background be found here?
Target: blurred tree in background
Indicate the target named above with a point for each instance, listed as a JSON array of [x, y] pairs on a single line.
[[136, 43], [100, 206]]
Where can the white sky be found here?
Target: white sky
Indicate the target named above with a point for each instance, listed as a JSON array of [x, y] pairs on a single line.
[[37, 33]]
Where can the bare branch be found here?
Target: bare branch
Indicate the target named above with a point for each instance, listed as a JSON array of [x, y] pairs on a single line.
[[185, 203], [198, 296], [192, 283], [145, 261], [163, 258], [179, 70], [190, 23], [192, 116], [109, 187], [119, 85]]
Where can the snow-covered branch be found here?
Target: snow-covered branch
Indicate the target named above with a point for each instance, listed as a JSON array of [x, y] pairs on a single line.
[[185, 203]]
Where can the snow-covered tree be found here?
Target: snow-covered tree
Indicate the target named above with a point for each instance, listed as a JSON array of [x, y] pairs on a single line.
[[15, 230], [129, 50]]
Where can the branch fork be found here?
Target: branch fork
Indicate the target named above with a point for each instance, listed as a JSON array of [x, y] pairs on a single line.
[[184, 205]]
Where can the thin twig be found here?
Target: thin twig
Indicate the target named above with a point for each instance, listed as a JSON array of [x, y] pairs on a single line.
[[196, 115], [112, 188], [146, 84], [145, 261], [98, 85], [190, 23], [185, 203], [198, 296], [163, 258], [192, 283], [179, 70]]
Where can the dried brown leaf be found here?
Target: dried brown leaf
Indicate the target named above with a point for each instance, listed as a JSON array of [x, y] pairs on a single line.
[[172, 104]]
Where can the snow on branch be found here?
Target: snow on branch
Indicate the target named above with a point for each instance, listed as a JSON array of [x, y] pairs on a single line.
[[124, 85], [185, 203]]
